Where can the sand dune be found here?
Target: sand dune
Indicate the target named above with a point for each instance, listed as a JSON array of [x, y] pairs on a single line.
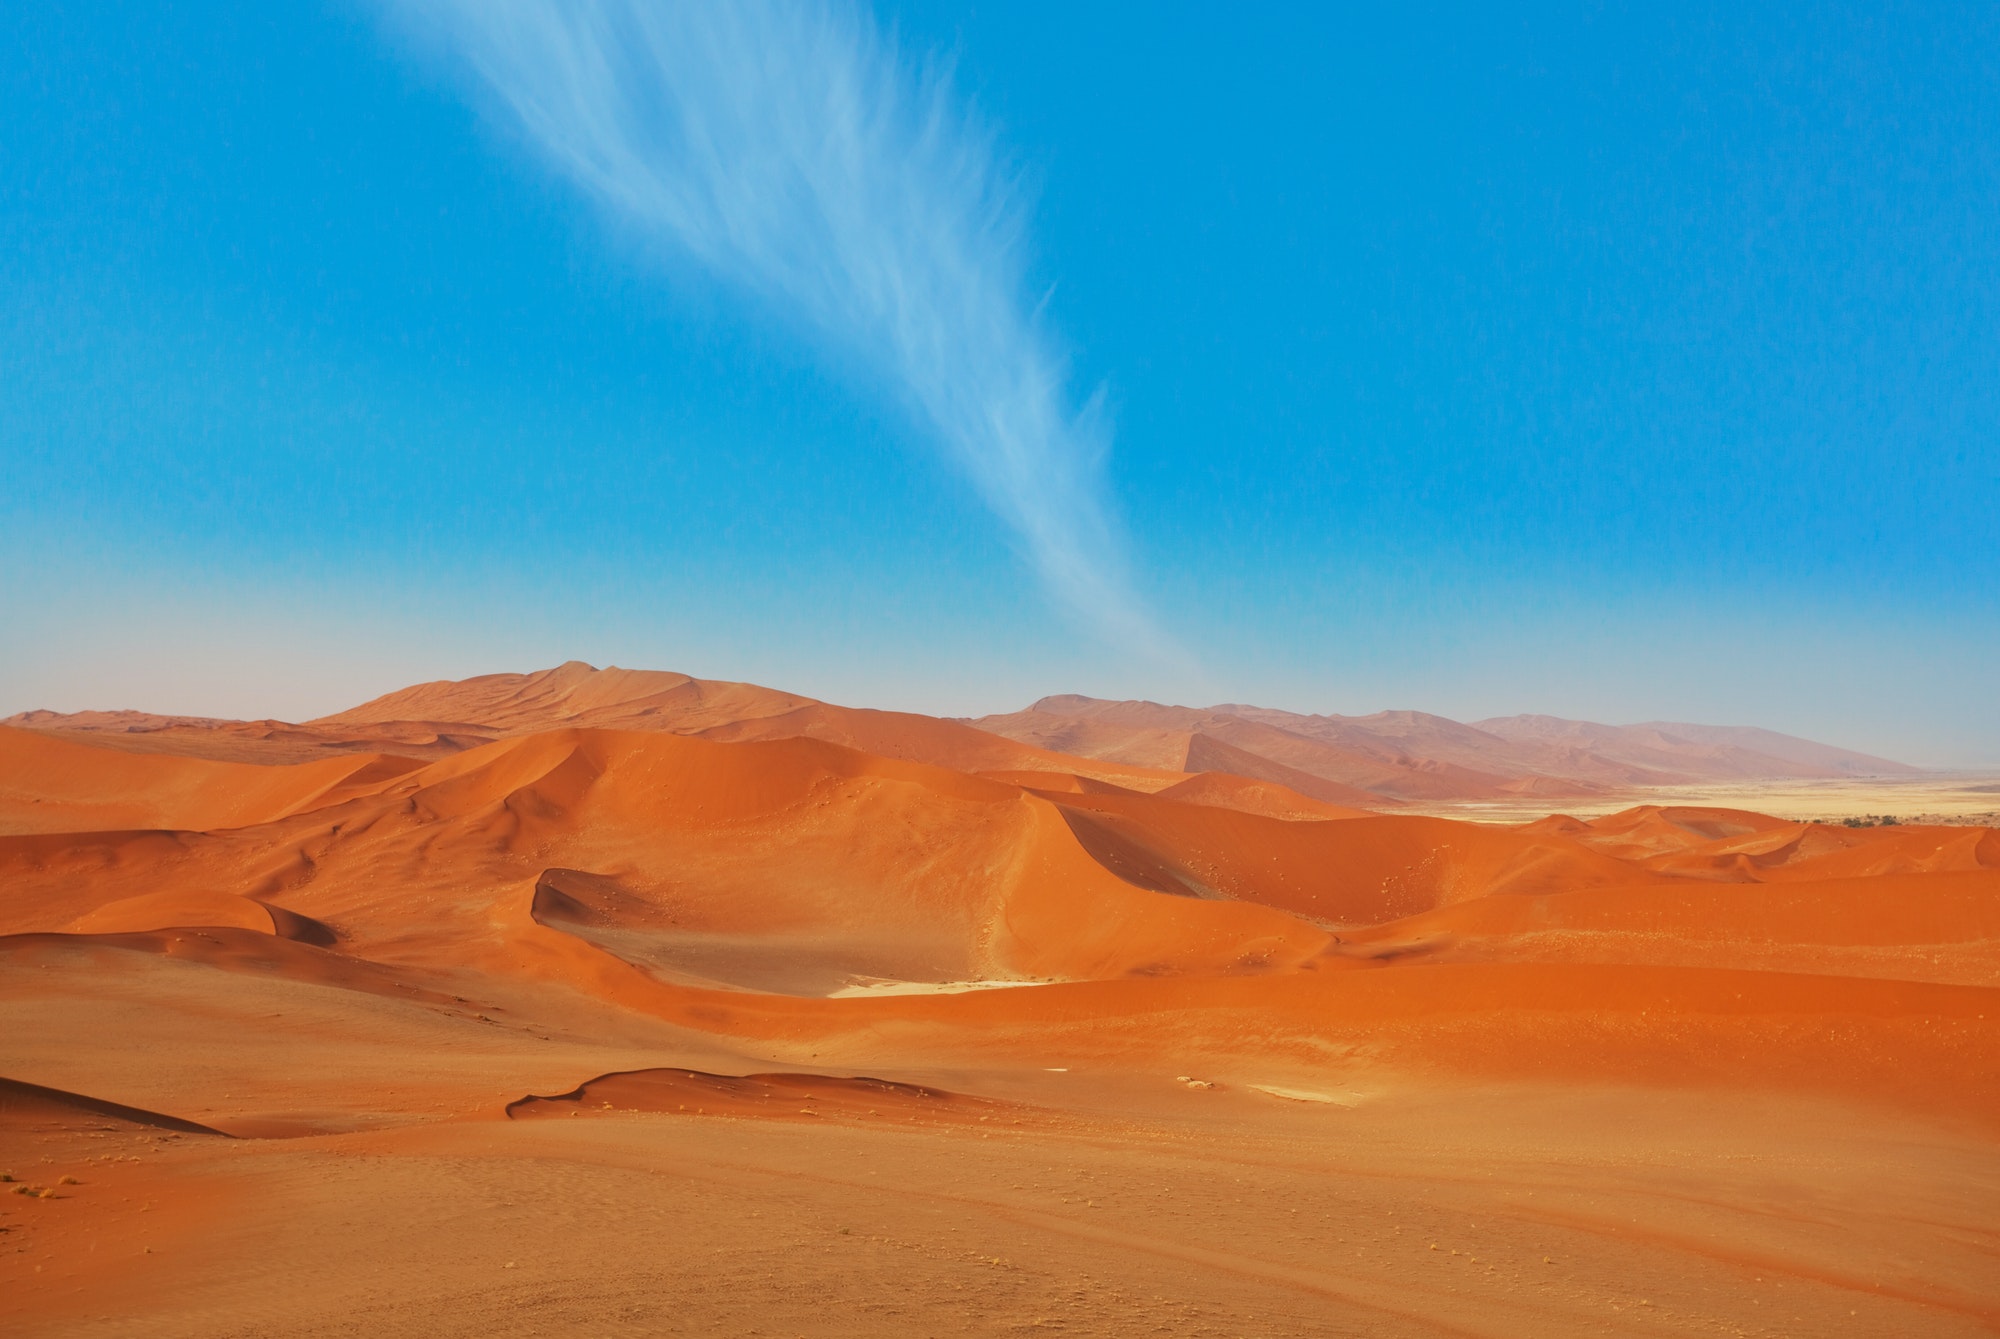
[[1358, 767], [1253, 795], [1384, 760], [29, 1105], [677, 875], [1209, 756], [173, 908], [754, 924], [1412, 755], [769, 1097], [435, 720], [570, 694], [54, 785]]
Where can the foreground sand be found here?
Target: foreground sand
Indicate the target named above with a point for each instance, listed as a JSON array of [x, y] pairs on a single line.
[[1149, 1209], [1085, 1201], [1680, 1070]]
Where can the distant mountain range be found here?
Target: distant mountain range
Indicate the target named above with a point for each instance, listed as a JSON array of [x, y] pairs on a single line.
[[1250, 756]]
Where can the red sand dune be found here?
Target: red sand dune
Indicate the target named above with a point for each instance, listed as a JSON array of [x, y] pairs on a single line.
[[1412, 755], [31, 1105], [1369, 762], [672, 873], [768, 1097], [435, 720], [54, 785], [1254, 795], [735, 918]]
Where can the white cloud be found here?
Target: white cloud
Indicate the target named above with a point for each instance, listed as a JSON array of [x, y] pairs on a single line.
[[793, 150]]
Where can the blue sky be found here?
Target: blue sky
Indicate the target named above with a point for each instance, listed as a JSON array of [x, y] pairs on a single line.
[[1623, 363]]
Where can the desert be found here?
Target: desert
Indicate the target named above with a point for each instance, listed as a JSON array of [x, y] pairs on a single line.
[[902, 669], [626, 1002]]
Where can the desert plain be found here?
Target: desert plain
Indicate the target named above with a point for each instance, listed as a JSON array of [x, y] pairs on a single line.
[[625, 1003]]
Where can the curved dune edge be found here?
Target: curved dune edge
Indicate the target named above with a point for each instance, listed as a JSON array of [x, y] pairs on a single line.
[[1678, 944], [1910, 1043], [30, 1103], [1918, 1045], [782, 1096], [1306, 1095], [251, 952], [204, 910], [878, 989], [49, 784]]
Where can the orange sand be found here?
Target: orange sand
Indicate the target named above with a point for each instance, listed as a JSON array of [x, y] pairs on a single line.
[[1669, 1070]]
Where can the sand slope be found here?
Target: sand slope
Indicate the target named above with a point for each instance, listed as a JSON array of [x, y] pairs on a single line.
[[55, 785], [1413, 755], [750, 883], [1379, 761], [369, 961]]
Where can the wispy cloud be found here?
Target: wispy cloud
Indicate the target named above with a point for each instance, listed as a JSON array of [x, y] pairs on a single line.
[[792, 149]]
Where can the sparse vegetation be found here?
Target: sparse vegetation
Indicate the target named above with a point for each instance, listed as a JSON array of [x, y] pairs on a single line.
[[1872, 821]]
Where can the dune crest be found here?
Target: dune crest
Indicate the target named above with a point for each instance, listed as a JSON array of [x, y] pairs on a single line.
[[1383, 761], [30, 1105], [766, 1096], [1402, 756], [750, 887]]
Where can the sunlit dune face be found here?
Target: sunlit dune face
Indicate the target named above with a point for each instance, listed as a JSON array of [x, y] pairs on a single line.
[[793, 883]]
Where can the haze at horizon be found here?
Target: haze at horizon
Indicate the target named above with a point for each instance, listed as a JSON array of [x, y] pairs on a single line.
[[1628, 368]]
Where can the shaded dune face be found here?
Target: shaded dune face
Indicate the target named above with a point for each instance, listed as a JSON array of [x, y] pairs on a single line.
[[173, 909], [794, 895], [770, 1097], [793, 866], [1359, 871], [30, 1106]]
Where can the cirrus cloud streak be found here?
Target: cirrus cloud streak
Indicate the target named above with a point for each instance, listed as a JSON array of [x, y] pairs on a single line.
[[793, 151]]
